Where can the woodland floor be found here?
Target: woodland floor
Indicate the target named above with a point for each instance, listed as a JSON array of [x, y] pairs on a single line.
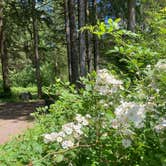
[[15, 118]]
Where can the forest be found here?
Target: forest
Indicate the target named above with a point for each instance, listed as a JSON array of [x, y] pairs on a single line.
[[82, 82]]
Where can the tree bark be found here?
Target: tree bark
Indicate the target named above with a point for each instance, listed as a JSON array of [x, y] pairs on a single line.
[[3, 52], [36, 50], [89, 38], [67, 27], [73, 42], [1, 14], [131, 15], [82, 39], [95, 39]]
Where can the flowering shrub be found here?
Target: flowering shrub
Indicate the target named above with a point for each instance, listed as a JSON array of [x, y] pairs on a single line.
[[107, 83], [97, 125], [114, 131], [70, 134]]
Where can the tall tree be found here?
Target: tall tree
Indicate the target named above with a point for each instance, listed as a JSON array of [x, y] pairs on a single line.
[[131, 15], [73, 42], [36, 49], [3, 53], [82, 39], [88, 38], [95, 39], [1, 14], [67, 27]]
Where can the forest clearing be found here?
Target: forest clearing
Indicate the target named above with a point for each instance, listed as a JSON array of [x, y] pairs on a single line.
[[82, 82]]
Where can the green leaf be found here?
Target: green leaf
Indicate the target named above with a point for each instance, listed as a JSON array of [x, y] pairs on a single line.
[[59, 158], [118, 20]]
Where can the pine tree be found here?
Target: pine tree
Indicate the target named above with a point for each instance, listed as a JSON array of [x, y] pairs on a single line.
[[73, 42], [82, 39], [36, 49], [3, 53]]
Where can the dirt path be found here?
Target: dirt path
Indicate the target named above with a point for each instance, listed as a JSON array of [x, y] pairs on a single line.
[[15, 118]]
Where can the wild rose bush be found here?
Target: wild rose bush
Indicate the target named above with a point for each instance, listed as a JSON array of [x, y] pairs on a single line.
[[107, 122], [110, 126]]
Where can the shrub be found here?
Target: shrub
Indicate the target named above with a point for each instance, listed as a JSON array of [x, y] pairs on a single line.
[[95, 126]]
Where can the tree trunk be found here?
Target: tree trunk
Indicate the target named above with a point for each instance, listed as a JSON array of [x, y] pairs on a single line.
[[3, 52], [131, 15], [73, 42], [95, 39], [67, 27], [82, 39], [36, 51], [1, 14], [88, 39]]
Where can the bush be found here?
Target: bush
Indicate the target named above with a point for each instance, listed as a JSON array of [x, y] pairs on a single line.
[[103, 124]]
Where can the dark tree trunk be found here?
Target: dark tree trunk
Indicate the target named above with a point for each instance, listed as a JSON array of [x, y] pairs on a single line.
[[3, 53], [131, 15], [1, 14], [36, 50], [67, 27], [82, 39], [73, 42], [96, 52], [95, 39], [88, 39]]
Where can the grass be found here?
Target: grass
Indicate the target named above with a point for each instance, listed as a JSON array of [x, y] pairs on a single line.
[[16, 91]]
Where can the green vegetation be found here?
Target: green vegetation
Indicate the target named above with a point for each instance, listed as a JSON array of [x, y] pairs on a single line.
[[16, 91], [113, 109], [106, 136]]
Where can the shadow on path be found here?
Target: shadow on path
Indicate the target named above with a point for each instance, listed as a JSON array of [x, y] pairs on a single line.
[[15, 118]]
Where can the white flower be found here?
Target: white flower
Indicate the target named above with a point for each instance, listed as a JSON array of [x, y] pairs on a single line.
[[114, 89], [77, 126], [54, 135], [85, 122], [59, 139], [77, 134], [104, 89], [88, 116], [72, 130], [161, 65], [105, 135], [105, 77], [78, 131], [106, 105], [107, 83], [48, 138], [61, 134], [78, 118], [126, 143], [115, 124], [68, 128], [68, 131], [67, 144], [82, 120], [131, 112], [161, 126]]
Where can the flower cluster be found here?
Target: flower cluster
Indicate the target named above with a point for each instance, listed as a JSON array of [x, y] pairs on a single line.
[[127, 113], [70, 133], [161, 65], [161, 125], [106, 83], [126, 143]]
